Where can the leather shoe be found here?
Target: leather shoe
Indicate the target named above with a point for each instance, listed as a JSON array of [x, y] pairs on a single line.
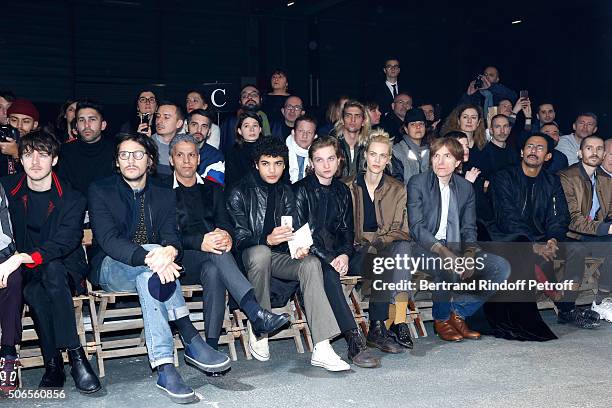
[[401, 334], [85, 380], [446, 332], [378, 337], [54, 376], [462, 328], [268, 322], [358, 352]]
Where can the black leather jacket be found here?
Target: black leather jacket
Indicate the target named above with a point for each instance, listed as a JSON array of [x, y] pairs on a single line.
[[246, 205], [328, 210]]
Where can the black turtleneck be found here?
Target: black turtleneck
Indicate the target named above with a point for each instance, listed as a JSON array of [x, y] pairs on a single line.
[[83, 163]]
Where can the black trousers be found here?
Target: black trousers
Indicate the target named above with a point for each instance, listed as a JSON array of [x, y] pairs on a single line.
[[47, 292], [11, 302], [215, 273], [336, 298], [361, 259]]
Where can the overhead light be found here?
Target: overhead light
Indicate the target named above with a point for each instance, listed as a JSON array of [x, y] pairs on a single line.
[[517, 21], [158, 84], [291, 3]]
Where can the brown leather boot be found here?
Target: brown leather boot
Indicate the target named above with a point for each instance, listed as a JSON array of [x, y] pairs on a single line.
[[460, 326], [446, 332]]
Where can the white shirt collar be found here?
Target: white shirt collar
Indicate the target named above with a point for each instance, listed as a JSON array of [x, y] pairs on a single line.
[[175, 184]]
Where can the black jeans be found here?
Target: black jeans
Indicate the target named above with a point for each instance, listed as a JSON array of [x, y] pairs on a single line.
[[337, 300]]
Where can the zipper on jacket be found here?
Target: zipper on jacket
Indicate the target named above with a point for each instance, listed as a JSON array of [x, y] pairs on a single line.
[[555, 205]]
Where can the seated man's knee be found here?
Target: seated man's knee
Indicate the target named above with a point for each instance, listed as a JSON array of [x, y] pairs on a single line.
[[15, 280], [209, 271], [256, 256], [310, 265]]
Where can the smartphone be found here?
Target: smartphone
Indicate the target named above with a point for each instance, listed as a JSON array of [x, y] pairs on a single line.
[[144, 118], [524, 94], [287, 221]]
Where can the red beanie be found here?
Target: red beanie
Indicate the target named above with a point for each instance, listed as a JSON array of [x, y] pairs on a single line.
[[23, 107]]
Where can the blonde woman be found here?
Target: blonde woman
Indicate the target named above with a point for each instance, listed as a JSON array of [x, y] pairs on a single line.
[[381, 228]]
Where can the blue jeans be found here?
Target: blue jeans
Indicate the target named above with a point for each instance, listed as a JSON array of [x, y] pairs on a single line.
[[496, 269], [119, 277]]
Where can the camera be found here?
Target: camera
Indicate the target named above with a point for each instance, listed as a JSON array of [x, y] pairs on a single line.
[[478, 82], [7, 131]]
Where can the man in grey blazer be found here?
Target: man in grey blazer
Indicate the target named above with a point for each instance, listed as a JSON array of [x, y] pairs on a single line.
[[442, 223]]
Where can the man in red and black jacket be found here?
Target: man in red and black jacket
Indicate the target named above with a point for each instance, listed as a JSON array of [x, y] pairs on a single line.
[[47, 217]]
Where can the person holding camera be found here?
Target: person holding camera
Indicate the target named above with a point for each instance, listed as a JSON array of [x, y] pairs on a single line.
[[143, 121], [22, 118], [487, 91]]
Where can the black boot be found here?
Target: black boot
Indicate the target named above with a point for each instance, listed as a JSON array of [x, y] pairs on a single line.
[[358, 352], [54, 376], [379, 337], [401, 334], [85, 380]]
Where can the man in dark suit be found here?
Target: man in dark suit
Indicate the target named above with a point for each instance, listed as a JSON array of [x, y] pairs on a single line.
[[442, 222], [384, 93]]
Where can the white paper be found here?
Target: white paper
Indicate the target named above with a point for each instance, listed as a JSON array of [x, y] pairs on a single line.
[[301, 239]]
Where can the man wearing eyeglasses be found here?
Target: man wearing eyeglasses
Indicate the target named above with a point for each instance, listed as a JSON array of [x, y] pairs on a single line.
[[299, 142], [250, 100], [384, 94], [137, 248], [293, 109]]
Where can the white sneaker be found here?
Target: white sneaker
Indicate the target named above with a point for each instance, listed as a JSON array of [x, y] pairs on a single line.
[[604, 309], [324, 356], [258, 348]]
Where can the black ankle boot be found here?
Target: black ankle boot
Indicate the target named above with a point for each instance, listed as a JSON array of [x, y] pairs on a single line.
[[378, 337], [85, 380], [54, 376], [358, 352]]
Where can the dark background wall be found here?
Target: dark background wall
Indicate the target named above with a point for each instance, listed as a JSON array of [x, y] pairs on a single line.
[[54, 50]]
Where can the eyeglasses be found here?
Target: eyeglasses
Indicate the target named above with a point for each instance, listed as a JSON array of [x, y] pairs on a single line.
[[253, 94], [406, 102], [294, 107], [539, 148], [392, 66], [125, 155], [144, 99]]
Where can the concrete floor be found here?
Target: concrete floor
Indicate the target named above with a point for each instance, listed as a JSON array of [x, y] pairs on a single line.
[[574, 371]]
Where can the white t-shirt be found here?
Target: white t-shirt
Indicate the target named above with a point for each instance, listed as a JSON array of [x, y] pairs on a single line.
[[445, 195]]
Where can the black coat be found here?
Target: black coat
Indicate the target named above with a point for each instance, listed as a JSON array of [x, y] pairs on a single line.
[[379, 92], [247, 204], [113, 213], [328, 210], [62, 232], [192, 226], [550, 214]]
